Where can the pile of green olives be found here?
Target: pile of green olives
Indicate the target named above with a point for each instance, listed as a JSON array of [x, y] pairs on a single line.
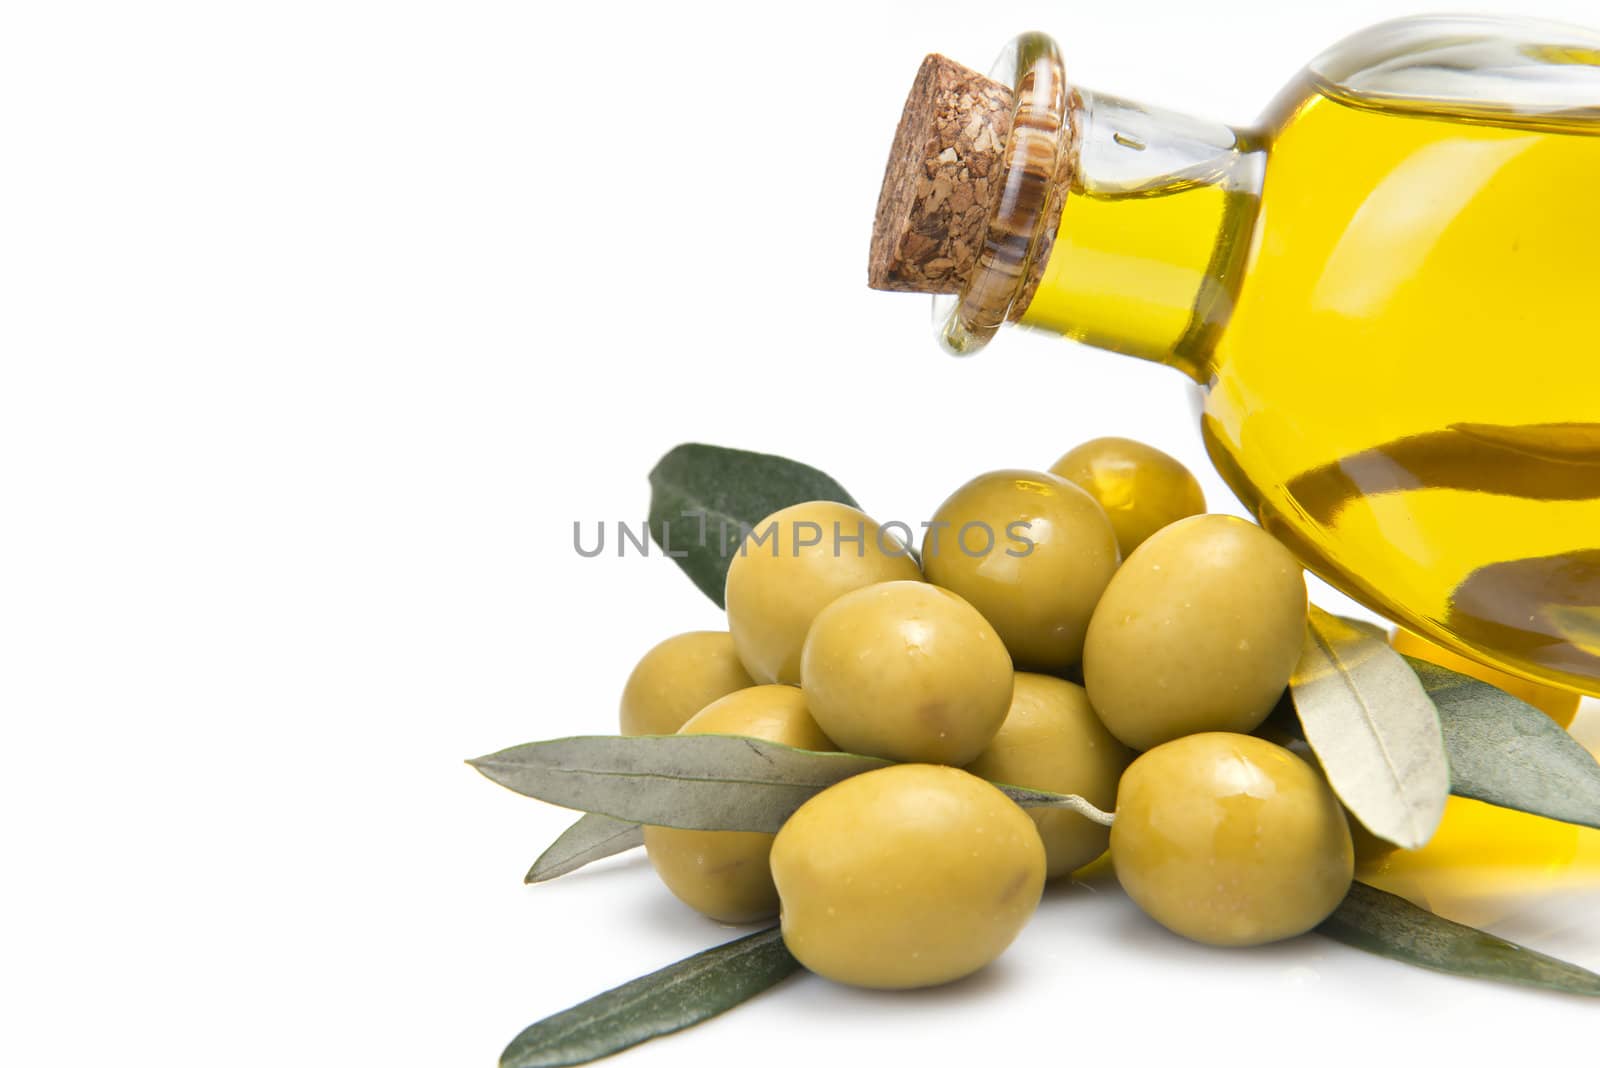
[[1085, 630]]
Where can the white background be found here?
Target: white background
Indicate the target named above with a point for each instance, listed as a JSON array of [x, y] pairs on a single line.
[[322, 324]]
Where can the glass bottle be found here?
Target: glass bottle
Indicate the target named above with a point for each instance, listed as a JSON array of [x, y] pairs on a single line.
[[1388, 290]]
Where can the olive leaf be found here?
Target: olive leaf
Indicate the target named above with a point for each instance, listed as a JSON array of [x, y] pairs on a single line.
[[1373, 728], [678, 996], [592, 838], [704, 499], [1393, 927], [1508, 753], [1502, 750], [701, 782], [706, 782]]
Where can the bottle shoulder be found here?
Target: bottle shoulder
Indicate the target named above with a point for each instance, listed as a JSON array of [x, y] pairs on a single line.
[[1503, 70]]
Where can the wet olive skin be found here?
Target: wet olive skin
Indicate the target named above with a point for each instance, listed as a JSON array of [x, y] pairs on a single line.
[[1198, 631], [725, 874], [775, 589], [678, 678], [1141, 488], [1036, 554], [906, 671], [1230, 840], [1052, 740], [909, 876]]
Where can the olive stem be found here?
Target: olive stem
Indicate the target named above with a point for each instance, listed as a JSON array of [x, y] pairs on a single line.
[[1040, 799], [1088, 811]]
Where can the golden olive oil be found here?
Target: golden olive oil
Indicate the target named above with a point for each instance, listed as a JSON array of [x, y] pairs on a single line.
[[1141, 272], [1389, 290], [1399, 332], [1408, 387]]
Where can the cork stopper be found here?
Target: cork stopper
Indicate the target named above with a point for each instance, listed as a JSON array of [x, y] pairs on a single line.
[[943, 171]]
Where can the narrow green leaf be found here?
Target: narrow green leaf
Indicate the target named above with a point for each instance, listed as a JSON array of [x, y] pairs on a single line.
[[678, 996], [1373, 728], [701, 782], [705, 782], [1508, 753], [1393, 927], [1502, 750], [590, 839], [704, 499]]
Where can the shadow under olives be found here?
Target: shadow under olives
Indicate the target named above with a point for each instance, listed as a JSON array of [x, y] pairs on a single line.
[[995, 980]]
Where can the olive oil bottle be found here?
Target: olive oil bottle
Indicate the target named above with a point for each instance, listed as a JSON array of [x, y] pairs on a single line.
[[1388, 289]]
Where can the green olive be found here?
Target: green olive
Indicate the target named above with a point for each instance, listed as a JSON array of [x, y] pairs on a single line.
[[794, 564], [1230, 840], [906, 671], [678, 678], [1141, 488], [1369, 848], [724, 874], [1198, 631], [1030, 551], [1052, 740], [908, 876]]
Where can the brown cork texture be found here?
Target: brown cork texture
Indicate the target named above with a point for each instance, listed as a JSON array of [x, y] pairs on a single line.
[[942, 174]]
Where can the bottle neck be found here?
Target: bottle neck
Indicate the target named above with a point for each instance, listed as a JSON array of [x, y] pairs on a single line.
[[1153, 233]]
